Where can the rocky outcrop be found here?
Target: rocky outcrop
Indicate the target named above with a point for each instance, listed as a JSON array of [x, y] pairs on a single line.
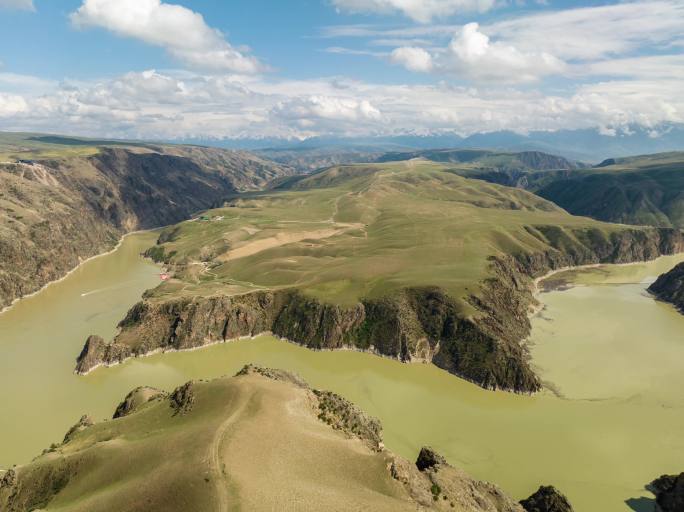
[[547, 499], [96, 352], [428, 458], [342, 415], [669, 287], [136, 399], [274, 374], [424, 324], [182, 399], [55, 213], [80, 426], [434, 484], [669, 491]]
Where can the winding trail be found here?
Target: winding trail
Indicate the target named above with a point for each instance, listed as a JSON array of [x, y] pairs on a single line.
[[215, 461]]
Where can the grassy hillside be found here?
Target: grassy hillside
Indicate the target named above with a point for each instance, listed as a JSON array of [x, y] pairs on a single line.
[[262, 440], [646, 190], [484, 160], [641, 190], [405, 259]]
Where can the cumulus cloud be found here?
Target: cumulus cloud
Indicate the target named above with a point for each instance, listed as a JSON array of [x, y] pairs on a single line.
[[23, 5], [12, 104], [412, 58], [181, 31], [471, 54], [330, 113], [422, 11]]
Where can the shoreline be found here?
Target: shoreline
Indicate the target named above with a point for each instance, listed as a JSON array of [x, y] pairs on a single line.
[[55, 281], [211, 343], [535, 285]]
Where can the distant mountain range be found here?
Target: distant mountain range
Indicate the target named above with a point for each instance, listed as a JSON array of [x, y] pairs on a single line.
[[588, 145]]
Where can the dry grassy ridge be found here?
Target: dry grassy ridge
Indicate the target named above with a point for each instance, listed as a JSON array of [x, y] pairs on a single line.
[[406, 259], [63, 199], [262, 440]]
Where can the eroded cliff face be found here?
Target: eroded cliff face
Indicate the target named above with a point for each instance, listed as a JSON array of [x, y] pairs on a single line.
[[669, 287], [55, 213], [424, 324]]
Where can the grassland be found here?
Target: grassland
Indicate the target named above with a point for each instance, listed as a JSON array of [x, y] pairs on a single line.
[[39, 146], [362, 231]]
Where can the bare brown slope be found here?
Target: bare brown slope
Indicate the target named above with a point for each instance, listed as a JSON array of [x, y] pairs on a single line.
[[54, 213], [260, 441]]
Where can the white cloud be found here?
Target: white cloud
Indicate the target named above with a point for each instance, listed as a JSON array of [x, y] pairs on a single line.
[[163, 105], [313, 113], [645, 67], [422, 11], [412, 58], [472, 55], [182, 32], [11, 104], [591, 33], [23, 5], [24, 84]]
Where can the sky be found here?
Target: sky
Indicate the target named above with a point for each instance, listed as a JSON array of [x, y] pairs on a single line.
[[202, 69]]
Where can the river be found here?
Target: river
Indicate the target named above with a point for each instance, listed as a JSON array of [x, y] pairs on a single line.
[[614, 355]]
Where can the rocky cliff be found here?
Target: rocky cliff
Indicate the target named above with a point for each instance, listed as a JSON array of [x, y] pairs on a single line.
[[669, 287], [547, 499], [669, 492], [414, 324], [55, 213]]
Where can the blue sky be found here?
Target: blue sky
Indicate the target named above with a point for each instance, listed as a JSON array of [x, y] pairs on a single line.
[[200, 68]]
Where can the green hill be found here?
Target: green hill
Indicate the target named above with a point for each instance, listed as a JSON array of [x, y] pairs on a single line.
[[408, 260], [647, 190], [486, 160], [262, 440]]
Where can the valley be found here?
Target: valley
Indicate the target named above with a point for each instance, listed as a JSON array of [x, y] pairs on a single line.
[[63, 200], [412, 260], [341, 256]]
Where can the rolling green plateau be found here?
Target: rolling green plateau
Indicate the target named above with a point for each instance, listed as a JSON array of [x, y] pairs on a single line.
[[220, 445], [65, 199], [408, 260], [642, 190]]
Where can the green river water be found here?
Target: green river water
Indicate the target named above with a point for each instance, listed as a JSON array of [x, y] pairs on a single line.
[[614, 355]]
